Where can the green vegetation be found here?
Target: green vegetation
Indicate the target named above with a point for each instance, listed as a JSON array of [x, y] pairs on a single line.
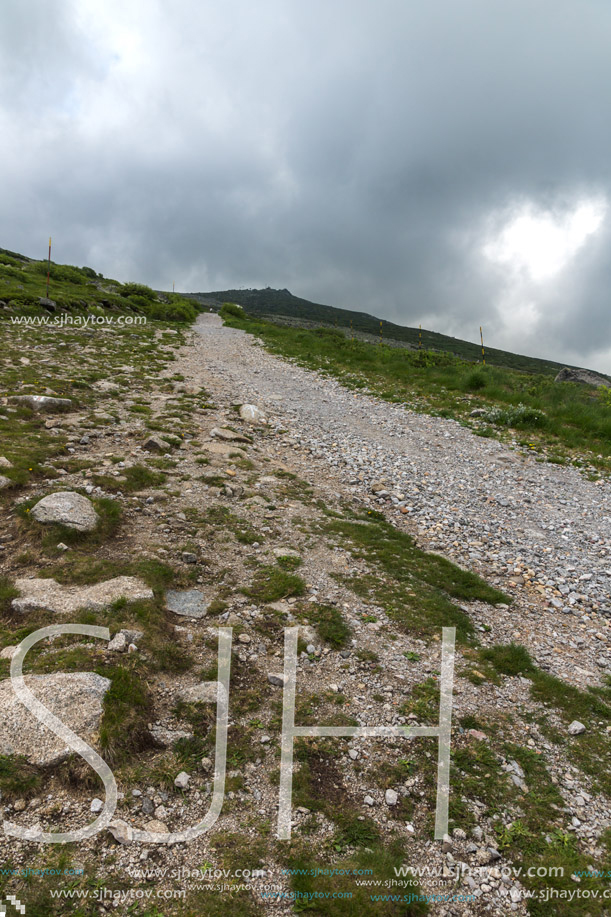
[[272, 583], [82, 292], [413, 587]]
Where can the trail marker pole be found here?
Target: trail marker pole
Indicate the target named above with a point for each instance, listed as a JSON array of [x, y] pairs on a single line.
[[482, 340], [49, 267], [380, 332], [420, 338]]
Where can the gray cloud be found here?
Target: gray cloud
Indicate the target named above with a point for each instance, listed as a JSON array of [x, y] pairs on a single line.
[[359, 154]]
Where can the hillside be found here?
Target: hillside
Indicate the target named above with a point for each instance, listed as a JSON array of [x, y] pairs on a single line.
[[277, 305]]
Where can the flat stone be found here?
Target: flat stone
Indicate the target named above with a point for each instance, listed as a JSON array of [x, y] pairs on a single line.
[[278, 679], [229, 436], [8, 652], [188, 603], [156, 827], [66, 508], [44, 403], [167, 737], [221, 449], [74, 697], [205, 693], [48, 595]]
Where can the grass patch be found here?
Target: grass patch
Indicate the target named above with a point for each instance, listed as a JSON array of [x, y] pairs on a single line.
[[271, 583]]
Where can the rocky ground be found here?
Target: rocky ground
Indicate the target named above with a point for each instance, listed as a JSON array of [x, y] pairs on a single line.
[[331, 514]]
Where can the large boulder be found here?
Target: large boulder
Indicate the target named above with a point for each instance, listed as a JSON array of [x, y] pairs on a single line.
[[66, 508], [75, 697], [582, 377], [45, 403], [48, 595]]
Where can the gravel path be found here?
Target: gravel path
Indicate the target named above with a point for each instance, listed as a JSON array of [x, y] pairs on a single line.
[[539, 530]]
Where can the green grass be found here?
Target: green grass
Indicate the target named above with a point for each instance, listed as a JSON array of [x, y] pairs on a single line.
[[414, 588], [329, 624], [272, 583], [132, 479]]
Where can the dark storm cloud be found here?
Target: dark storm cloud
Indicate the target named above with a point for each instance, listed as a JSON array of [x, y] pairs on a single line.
[[359, 154]]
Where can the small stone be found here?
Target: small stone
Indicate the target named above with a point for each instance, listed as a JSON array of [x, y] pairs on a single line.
[[155, 826], [148, 806], [206, 764], [118, 643], [447, 844], [156, 444], [277, 679], [244, 638], [188, 557], [8, 652], [96, 805], [182, 780], [391, 797], [61, 546], [576, 728], [368, 800], [19, 805], [121, 831]]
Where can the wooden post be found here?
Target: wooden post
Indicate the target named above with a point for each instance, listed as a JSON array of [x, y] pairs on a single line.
[[49, 267], [481, 335], [380, 332], [420, 338]]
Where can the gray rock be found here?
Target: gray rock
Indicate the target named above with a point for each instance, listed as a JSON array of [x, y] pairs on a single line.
[[48, 595], [156, 444], [368, 800], [156, 827], [252, 414], [148, 806], [182, 780], [204, 693], [391, 797], [118, 644], [66, 508], [277, 679], [4, 462], [121, 831], [4, 482], [96, 805], [582, 377], [229, 436], [188, 603], [576, 728], [44, 403], [75, 697], [188, 557]]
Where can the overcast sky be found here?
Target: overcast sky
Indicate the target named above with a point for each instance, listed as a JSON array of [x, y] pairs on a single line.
[[445, 162]]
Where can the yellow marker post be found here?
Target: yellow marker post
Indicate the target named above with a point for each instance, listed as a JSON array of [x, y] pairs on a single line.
[[482, 340], [420, 337], [380, 332], [49, 267]]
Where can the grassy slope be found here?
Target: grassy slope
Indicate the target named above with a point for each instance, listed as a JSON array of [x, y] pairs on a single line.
[[80, 290]]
